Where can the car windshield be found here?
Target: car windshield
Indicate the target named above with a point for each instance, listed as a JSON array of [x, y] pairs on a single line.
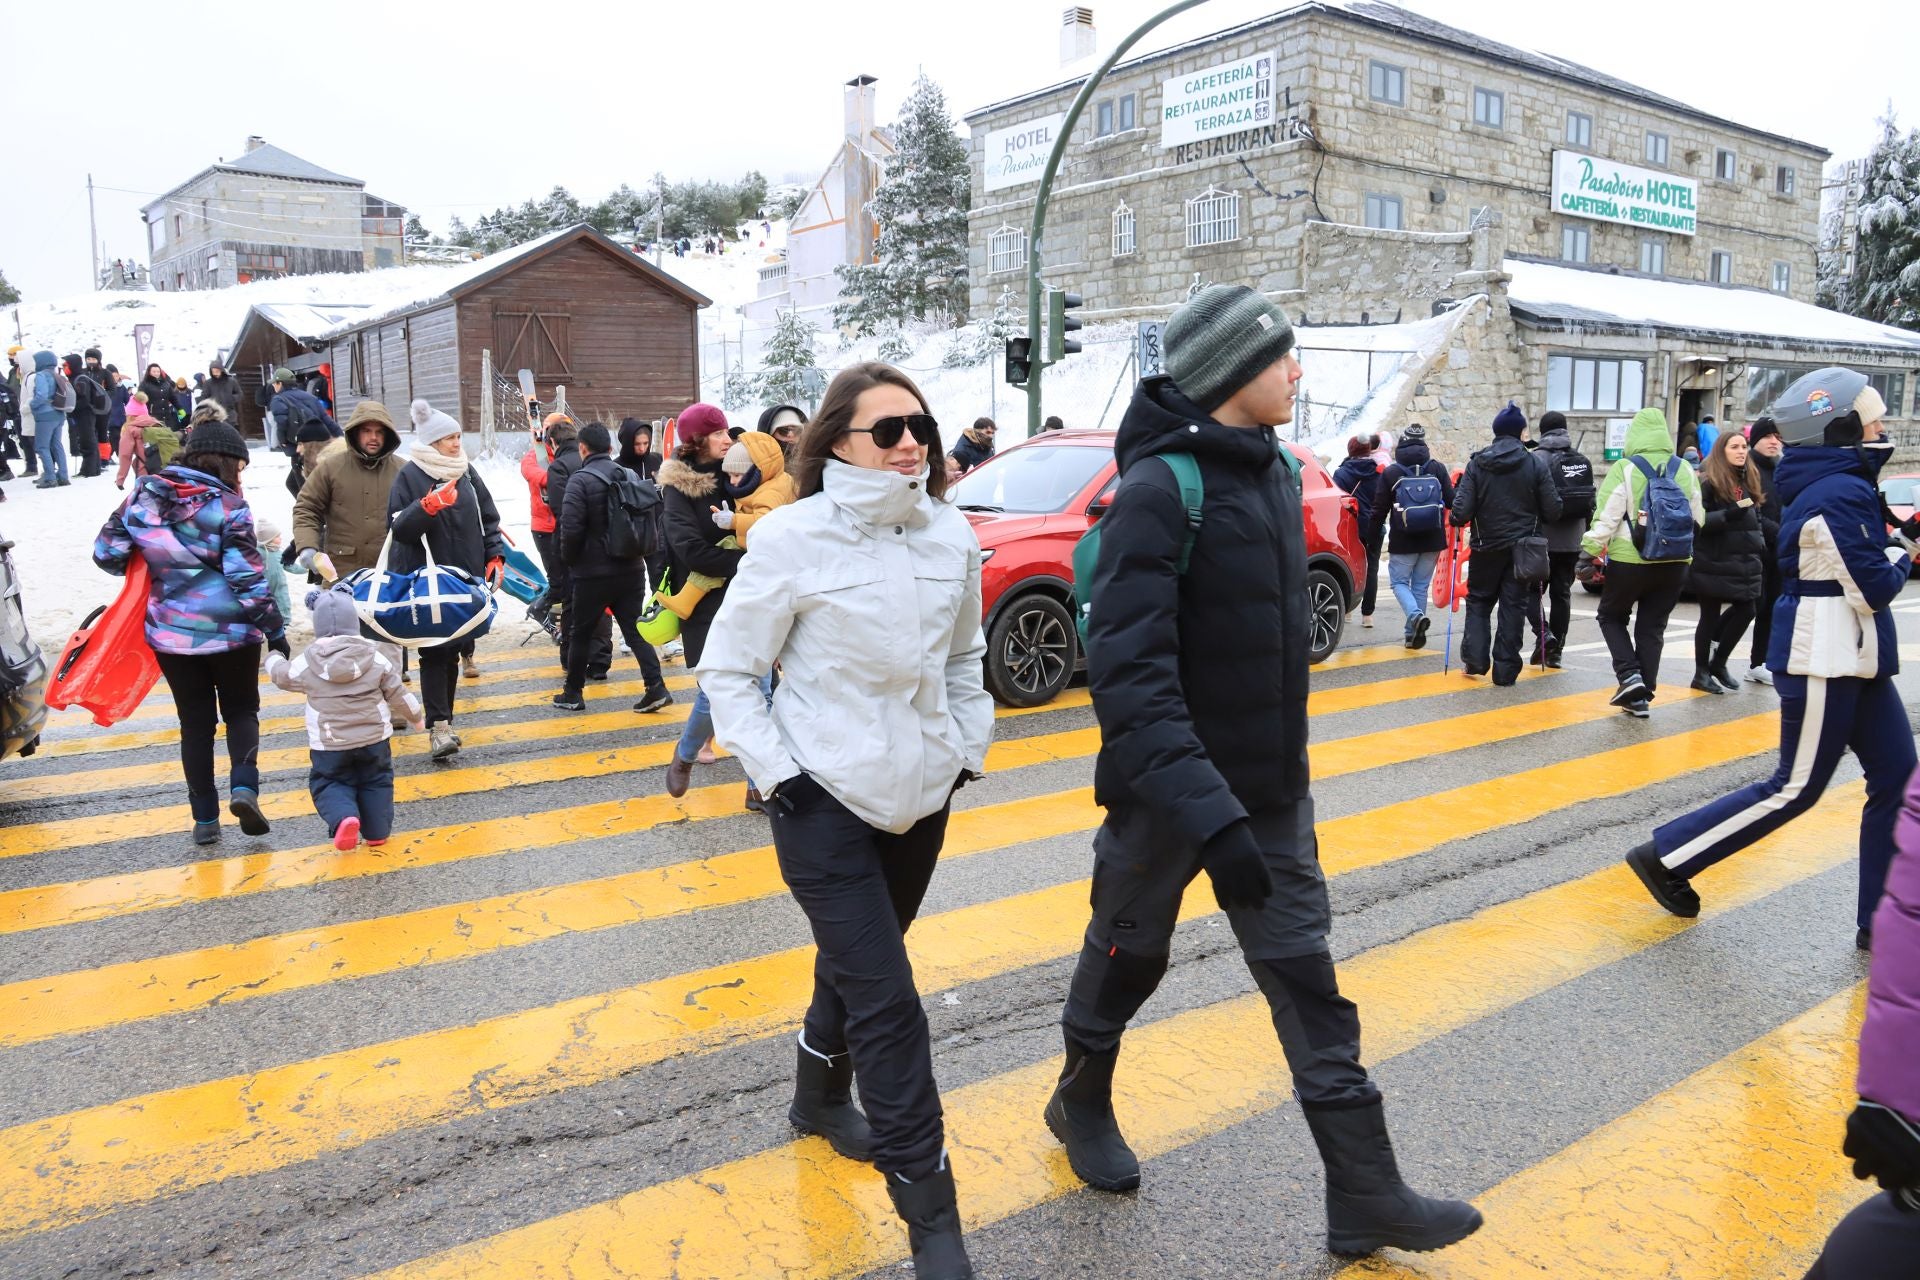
[[1899, 490], [1031, 480]]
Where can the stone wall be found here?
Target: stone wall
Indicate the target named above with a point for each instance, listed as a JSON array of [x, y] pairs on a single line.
[[316, 226]]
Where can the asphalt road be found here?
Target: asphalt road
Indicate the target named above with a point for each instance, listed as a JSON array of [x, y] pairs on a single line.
[[547, 1030]]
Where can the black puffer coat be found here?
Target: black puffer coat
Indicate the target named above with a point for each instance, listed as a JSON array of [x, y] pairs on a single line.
[[1772, 511], [1505, 494], [1359, 476], [689, 492], [467, 534], [1410, 457], [1199, 680], [581, 529], [1728, 550]]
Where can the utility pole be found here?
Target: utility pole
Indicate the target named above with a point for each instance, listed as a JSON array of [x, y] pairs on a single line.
[[93, 235]]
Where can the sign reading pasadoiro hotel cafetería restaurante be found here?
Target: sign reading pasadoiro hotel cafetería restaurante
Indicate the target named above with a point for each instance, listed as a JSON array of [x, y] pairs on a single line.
[[1589, 187]]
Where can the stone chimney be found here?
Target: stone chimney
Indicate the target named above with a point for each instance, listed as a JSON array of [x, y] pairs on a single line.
[[1076, 36], [255, 142], [860, 172]]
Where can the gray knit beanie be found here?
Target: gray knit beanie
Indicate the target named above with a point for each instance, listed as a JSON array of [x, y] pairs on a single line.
[[1224, 337], [332, 613]]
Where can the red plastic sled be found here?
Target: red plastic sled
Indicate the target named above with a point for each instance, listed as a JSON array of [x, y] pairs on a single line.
[[108, 667], [1450, 575]]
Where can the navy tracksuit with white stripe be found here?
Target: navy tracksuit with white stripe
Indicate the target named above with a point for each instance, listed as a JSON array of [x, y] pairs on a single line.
[[1833, 653]]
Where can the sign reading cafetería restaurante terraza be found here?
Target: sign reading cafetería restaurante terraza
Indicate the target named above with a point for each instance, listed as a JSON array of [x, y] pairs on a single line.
[[1217, 100], [1589, 187]]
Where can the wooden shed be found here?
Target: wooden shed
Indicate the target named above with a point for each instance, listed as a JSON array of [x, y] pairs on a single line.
[[573, 306]]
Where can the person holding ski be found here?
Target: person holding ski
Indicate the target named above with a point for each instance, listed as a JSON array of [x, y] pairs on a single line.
[[1572, 476], [1725, 574], [1506, 495], [1833, 653], [1199, 680], [1409, 508]]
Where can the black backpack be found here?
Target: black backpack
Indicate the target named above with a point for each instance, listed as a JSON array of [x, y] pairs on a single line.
[[98, 401], [1573, 477], [633, 516]]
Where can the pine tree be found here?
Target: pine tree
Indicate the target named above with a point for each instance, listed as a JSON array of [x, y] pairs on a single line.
[[1886, 271], [458, 232], [788, 360], [919, 270], [416, 231], [8, 294]]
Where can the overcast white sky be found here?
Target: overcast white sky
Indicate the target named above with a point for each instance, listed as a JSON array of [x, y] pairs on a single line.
[[460, 108]]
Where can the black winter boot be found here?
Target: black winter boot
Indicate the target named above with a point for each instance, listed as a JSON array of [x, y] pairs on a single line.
[[928, 1208], [1368, 1206], [1080, 1114], [823, 1104]]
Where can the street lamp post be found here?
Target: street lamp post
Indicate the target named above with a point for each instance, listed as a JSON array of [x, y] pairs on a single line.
[[1046, 188]]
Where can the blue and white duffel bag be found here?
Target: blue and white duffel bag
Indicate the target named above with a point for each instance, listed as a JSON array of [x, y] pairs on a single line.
[[432, 605]]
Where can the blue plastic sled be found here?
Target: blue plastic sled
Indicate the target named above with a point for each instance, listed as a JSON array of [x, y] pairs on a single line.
[[523, 581]]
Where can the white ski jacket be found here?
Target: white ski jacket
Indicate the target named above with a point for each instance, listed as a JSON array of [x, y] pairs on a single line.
[[868, 596]]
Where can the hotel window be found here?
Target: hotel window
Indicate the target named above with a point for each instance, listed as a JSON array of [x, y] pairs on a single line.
[[1213, 217], [1726, 166], [1579, 129], [1006, 250], [1893, 389], [1103, 117], [1128, 118], [1578, 384], [1123, 231], [1576, 244], [1783, 180], [1782, 277], [1653, 257], [1720, 267], [1384, 212], [1656, 148], [1490, 108], [1387, 83]]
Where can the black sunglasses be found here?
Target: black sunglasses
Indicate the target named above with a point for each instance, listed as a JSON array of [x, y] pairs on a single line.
[[886, 432]]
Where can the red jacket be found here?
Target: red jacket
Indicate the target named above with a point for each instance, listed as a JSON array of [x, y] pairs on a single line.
[[533, 466]]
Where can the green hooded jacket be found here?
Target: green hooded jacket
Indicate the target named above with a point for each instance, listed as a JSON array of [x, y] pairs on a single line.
[[1617, 505]]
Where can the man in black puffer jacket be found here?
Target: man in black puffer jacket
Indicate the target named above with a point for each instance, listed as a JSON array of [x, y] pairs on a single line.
[[1506, 494], [566, 463], [1199, 680]]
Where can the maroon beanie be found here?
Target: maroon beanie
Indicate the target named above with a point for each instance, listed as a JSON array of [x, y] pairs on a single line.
[[700, 421]]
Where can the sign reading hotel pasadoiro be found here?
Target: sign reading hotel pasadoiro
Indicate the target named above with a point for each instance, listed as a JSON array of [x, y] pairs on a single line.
[[1217, 100], [1018, 154], [1589, 187]]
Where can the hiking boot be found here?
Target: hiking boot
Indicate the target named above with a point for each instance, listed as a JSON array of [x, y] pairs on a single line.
[[823, 1103], [347, 835], [567, 700], [1632, 689], [932, 1216], [206, 832], [654, 699], [1080, 1114], [1703, 681], [1669, 890], [245, 805], [1368, 1206], [442, 743], [679, 777], [468, 667]]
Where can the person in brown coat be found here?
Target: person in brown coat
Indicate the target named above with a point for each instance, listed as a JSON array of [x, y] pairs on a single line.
[[341, 512]]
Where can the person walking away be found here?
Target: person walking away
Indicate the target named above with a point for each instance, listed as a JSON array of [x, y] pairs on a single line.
[[1505, 494], [223, 389], [565, 463], [1725, 575], [603, 536], [440, 504], [208, 611], [1200, 686], [1763, 439], [1409, 508], [49, 402], [860, 757], [1880, 1239], [1833, 654], [133, 441], [784, 423], [293, 407], [353, 690], [1705, 434], [975, 444], [1572, 474], [91, 405], [754, 481], [1649, 506], [690, 491], [1359, 475]]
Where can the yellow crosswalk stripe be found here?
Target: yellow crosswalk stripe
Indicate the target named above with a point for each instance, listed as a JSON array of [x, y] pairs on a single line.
[[798, 1210], [1735, 1171], [133, 892], [85, 1000], [135, 1150]]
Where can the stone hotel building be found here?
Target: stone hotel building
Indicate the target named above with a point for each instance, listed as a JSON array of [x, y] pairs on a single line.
[[1597, 245]]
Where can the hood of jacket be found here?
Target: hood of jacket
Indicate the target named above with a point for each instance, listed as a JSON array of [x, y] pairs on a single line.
[[876, 497], [1557, 440], [696, 481], [1504, 456], [1412, 454], [389, 442], [1353, 471], [1650, 438], [340, 659], [176, 495], [1805, 464], [1162, 420], [766, 453], [43, 361]]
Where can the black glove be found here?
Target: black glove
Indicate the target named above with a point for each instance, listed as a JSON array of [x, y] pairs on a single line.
[[278, 643], [1911, 527], [1885, 1147], [288, 556], [1583, 568], [1236, 867], [798, 794]]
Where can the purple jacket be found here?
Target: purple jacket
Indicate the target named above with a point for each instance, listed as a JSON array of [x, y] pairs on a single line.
[[1890, 1038], [209, 590]]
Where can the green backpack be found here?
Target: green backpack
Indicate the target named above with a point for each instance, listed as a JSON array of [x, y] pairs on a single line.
[[1193, 493]]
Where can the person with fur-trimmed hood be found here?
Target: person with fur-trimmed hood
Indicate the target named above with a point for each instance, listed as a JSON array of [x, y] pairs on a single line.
[[1834, 651]]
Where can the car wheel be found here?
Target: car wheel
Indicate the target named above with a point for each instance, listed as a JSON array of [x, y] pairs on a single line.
[[1030, 652], [1327, 611]]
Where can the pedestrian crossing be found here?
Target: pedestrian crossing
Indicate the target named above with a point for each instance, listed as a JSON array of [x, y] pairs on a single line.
[[613, 934]]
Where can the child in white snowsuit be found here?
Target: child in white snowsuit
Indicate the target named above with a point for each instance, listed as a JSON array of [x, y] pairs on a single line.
[[349, 684]]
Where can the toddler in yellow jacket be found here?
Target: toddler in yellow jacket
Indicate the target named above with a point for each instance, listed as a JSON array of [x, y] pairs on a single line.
[[754, 477]]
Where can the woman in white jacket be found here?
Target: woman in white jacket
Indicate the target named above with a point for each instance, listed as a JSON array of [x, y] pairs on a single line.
[[866, 591]]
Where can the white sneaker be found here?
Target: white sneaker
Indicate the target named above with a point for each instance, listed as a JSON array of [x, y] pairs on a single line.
[[1366, 620], [1759, 675], [672, 649]]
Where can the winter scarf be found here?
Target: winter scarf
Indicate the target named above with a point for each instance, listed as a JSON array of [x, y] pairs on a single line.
[[437, 464]]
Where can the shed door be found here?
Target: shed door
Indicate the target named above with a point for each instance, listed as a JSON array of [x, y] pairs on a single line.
[[540, 340]]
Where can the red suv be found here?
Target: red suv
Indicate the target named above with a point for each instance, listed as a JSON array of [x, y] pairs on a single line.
[[1029, 505]]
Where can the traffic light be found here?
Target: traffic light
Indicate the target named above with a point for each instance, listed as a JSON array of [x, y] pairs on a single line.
[[1060, 324], [1019, 360]]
